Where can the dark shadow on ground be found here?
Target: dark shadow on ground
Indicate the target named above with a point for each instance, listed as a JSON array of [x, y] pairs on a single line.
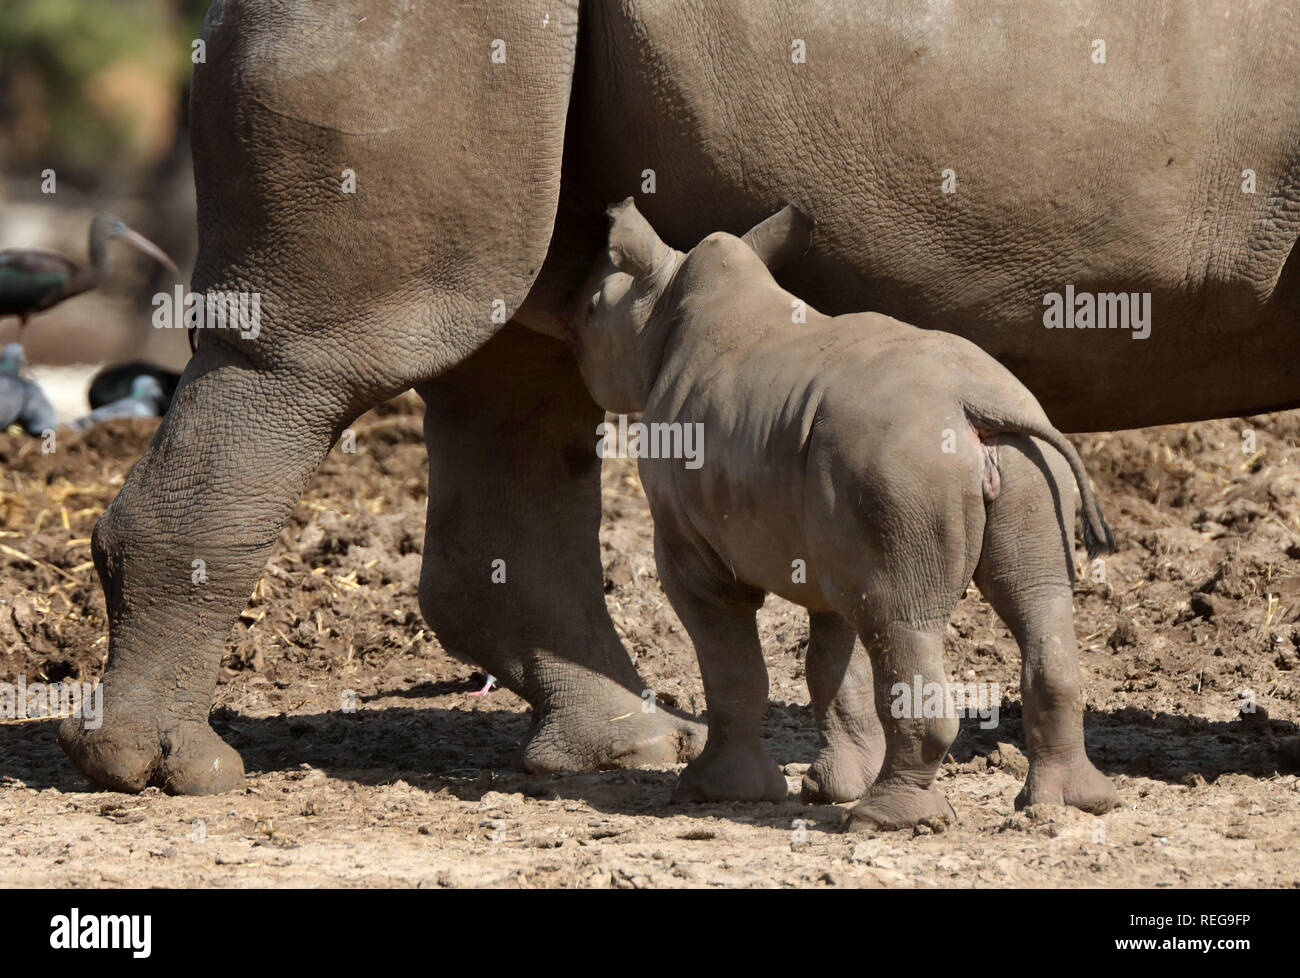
[[470, 752]]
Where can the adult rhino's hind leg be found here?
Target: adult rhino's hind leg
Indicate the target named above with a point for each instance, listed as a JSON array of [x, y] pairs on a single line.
[[1025, 574], [843, 699], [178, 553], [380, 222], [512, 577]]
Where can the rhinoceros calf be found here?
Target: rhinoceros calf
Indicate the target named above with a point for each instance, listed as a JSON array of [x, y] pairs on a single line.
[[863, 468]]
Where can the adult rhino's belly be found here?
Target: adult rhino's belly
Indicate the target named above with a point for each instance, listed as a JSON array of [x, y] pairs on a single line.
[[1065, 174]]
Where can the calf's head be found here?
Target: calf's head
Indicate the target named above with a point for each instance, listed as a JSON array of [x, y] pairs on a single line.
[[630, 298]]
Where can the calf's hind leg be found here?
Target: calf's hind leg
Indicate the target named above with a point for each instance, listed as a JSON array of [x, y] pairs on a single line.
[[915, 744], [843, 699], [1025, 572]]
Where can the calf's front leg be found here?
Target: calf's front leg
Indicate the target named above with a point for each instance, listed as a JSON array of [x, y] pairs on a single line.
[[718, 613]]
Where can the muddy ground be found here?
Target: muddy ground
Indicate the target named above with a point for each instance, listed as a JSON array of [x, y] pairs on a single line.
[[1198, 612]]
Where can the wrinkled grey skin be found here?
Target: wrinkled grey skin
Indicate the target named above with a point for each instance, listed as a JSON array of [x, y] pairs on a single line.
[[824, 478], [482, 183]]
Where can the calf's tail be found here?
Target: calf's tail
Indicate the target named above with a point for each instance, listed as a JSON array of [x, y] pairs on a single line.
[[1097, 536]]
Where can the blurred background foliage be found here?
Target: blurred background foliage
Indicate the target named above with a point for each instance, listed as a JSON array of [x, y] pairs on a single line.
[[98, 92], [94, 88]]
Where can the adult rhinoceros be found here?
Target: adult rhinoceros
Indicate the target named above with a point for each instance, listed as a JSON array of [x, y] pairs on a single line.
[[964, 164]]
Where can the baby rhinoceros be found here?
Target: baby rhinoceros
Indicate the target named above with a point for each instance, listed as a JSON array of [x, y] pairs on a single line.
[[860, 467]]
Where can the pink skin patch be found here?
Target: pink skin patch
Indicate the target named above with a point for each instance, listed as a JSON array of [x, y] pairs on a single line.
[[991, 478], [487, 686]]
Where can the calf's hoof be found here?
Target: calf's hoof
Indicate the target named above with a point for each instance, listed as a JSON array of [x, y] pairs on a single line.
[[889, 806], [1067, 780], [731, 771], [181, 757], [843, 771], [620, 736]]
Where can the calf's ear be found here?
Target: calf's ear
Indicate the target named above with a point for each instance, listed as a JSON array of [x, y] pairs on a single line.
[[633, 245], [781, 238]]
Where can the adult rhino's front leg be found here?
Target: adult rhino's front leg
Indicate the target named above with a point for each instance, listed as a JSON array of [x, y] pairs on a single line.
[[512, 575], [383, 177]]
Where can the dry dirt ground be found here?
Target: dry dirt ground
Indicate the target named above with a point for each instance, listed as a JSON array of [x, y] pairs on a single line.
[[417, 787]]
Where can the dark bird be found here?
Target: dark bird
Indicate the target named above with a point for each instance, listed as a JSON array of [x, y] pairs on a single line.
[[144, 401], [32, 279], [21, 400], [114, 383]]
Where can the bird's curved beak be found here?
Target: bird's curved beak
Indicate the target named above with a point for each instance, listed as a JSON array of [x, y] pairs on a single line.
[[140, 242]]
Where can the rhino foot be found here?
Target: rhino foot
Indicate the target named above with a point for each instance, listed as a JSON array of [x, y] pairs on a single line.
[[181, 757], [843, 771], [621, 736], [1067, 779], [731, 770], [889, 806]]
